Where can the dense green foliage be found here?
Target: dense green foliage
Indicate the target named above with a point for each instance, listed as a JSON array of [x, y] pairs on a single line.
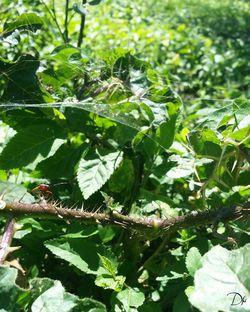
[[145, 113]]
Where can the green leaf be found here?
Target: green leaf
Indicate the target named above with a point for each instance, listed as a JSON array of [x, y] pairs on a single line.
[[26, 21], [53, 299], [165, 279], [64, 251], [185, 166], [13, 191], [131, 298], [110, 282], [147, 112], [241, 135], [223, 274], [66, 53], [77, 231], [242, 131], [62, 163], [160, 207], [106, 274], [31, 144], [89, 305], [231, 114], [181, 303], [94, 2], [193, 260], [94, 173], [165, 116], [68, 65], [205, 143], [159, 111], [140, 136], [165, 133], [106, 233], [9, 291], [110, 266], [146, 197], [50, 296], [79, 8], [127, 66], [22, 84], [180, 171], [123, 177], [82, 253]]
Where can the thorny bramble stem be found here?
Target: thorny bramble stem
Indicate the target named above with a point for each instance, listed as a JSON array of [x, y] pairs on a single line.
[[153, 226], [5, 243]]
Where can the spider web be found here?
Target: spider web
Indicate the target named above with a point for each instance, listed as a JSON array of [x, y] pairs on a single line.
[[104, 110], [125, 112]]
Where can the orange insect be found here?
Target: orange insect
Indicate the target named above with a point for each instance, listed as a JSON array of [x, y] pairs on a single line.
[[43, 189]]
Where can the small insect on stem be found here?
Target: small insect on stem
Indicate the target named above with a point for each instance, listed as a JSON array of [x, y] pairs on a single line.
[[43, 192], [42, 189]]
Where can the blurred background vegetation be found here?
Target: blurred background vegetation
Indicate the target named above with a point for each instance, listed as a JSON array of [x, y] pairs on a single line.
[[202, 47]]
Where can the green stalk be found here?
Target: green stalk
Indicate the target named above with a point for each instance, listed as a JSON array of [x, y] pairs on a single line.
[[81, 32]]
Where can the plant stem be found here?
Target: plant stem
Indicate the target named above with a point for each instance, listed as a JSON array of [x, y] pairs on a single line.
[[66, 32], [154, 227], [7, 239], [81, 32], [53, 16], [156, 253]]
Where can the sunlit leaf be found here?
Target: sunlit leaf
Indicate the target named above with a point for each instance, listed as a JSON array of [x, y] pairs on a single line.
[[110, 266], [31, 143], [223, 273], [94, 173], [9, 291], [22, 84], [49, 295], [25, 21], [193, 260], [131, 297], [62, 163], [13, 191], [79, 252], [110, 282]]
